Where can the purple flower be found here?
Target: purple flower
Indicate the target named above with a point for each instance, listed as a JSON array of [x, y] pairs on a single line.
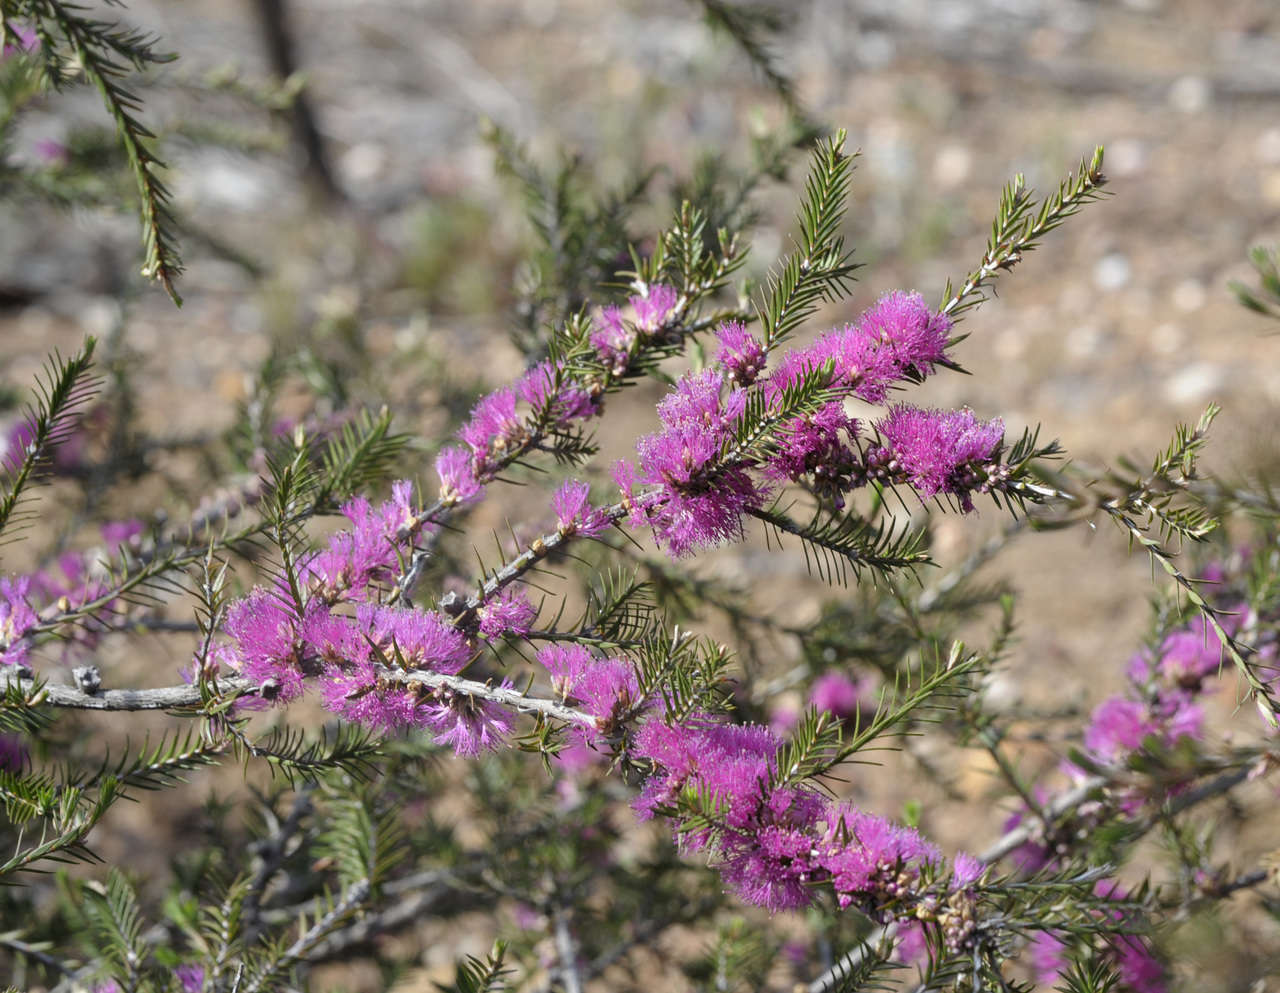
[[867, 855], [22, 435], [507, 612], [494, 426], [654, 307], [836, 692], [1048, 956], [267, 649], [358, 694], [458, 481], [574, 513], [545, 389], [613, 340], [16, 619], [1139, 969], [354, 558], [818, 445], [940, 451], [771, 867], [116, 533], [696, 403], [564, 663], [606, 689], [13, 753], [415, 639], [741, 355], [27, 39], [903, 324], [471, 725], [1189, 656], [370, 551], [702, 502], [1118, 727], [733, 756], [190, 978], [966, 870]]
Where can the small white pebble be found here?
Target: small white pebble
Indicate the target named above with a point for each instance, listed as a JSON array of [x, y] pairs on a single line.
[[1194, 384], [1189, 295], [1190, 94], [1111, 272]]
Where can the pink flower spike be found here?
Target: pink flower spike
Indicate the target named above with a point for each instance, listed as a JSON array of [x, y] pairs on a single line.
[[265, 630], [574, 513], [16, 618], [564, 664], [836, 692], [904, 324], [507, 612], [458, 482], [966, 870], [471, 725], [613, 340], [418, 639], [494, 425], [564, 401], [741, 355], [941, 451], [653, 309]]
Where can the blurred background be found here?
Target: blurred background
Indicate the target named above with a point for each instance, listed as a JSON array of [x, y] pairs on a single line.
[[357, 214]]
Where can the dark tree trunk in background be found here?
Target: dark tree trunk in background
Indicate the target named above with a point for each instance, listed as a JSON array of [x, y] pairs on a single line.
[[316, 167]]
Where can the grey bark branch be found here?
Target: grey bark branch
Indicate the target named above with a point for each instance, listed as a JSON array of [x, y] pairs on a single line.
[[181, 697]]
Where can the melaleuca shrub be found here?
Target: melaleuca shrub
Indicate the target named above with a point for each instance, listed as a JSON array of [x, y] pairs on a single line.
[[578, 743]]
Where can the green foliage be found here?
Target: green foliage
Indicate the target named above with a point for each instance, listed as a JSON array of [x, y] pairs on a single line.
[[118, 922], [579, 235], [73, 44], [1096, 976], [738, 958], [1019, 224], [475, 975], [300, 756], [839, 545], [819, 269], [64, 390], [1266, 299], [819, 744]]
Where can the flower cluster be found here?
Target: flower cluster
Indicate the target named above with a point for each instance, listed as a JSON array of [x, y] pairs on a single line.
[[1138, 970], [279, 643], [698, 497], [607, 689], [546, 398], [72, 580], [703, 479], [1156, 714], [1158, 709], [775, 843], [615, 340]]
